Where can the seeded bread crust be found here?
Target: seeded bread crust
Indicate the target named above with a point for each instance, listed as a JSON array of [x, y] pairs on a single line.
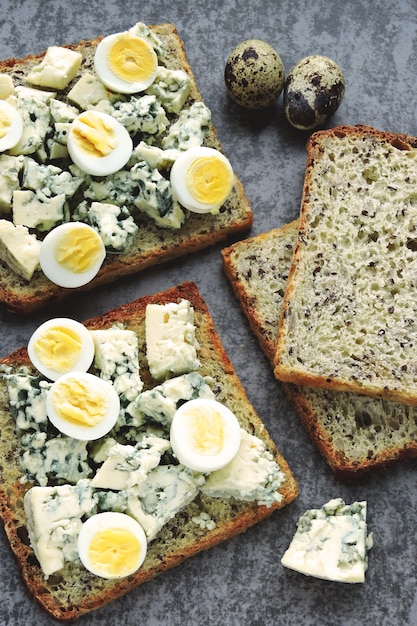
[[349, 314], [355, 434], [152, 245], [73, 591]]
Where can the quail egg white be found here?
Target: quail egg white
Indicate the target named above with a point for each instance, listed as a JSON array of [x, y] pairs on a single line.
[[11, 126], [61, 345], [201, 179], [313, 91], [254, 74], [98, 143], [204, 435], [126, 63], [71, 254], [82, 406], [112, 545]]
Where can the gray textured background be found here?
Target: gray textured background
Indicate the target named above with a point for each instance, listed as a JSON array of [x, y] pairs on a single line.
[[242, 582]]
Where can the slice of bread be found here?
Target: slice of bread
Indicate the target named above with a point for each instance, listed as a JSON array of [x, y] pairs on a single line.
[[152, 244], [354, 433], [73, 591], [349, 314]]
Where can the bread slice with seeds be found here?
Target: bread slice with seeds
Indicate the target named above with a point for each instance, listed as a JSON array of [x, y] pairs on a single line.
[[349, 316], [355, 434]]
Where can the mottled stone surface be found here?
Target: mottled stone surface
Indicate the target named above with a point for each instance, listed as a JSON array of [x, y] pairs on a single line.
[[242, 582]]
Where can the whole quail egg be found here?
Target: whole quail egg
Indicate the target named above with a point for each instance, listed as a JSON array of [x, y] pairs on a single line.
[[254, 74], [313, 91]]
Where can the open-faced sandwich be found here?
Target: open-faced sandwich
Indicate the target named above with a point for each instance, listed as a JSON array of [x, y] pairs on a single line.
[[127, 445], [109, 163]]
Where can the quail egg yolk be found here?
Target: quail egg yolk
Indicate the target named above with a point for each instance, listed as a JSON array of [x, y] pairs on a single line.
[[114, 552], [78, 250], [209, 180], [94, 136], [75, 401], [58, 348], [131, 58], [206, 429]]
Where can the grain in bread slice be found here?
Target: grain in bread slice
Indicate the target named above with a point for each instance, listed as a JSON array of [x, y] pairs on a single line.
[[349, 316], [73, 591], [152, 244], [354, 433]]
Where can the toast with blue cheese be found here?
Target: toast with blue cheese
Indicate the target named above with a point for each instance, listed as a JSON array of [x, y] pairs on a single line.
[[355, 434], [133, 210], [49, 477], [349, 313]]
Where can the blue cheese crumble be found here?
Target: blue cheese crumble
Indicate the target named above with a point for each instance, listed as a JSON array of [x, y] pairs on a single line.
[[331, 543]]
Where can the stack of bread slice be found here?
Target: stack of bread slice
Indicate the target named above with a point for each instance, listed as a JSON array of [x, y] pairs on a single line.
[[332, 297]]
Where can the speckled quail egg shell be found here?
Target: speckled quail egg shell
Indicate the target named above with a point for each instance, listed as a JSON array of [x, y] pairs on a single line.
[[254, 74], [313, 91]]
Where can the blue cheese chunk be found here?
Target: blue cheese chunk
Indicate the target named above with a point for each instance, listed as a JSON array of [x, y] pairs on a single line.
[[60, 459], [252, 475], [116, 358], [128, 466], [140, 29], [161, 402], [171, 344], [190, 129], [19, 249], [114, 224], [331, 543], [155, 157], [171, 87], [54, 520], [49, 179], [155, 198], [118, 188], [88, 92], [35, 210], [27, 399], [61, 112], [57, 144], [142, 114], [57, 68], [167, 490], [10, 168]]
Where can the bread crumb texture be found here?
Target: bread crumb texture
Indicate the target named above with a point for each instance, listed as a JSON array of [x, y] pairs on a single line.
[[349, 318], [355, 434]]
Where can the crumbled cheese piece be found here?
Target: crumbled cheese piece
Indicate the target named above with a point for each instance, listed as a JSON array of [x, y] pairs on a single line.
[[331, 543], [171, 87], [128, 466], [54, 520], [252, 475], [57, 68], [171, 345], [19, 249], [88, 91]]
